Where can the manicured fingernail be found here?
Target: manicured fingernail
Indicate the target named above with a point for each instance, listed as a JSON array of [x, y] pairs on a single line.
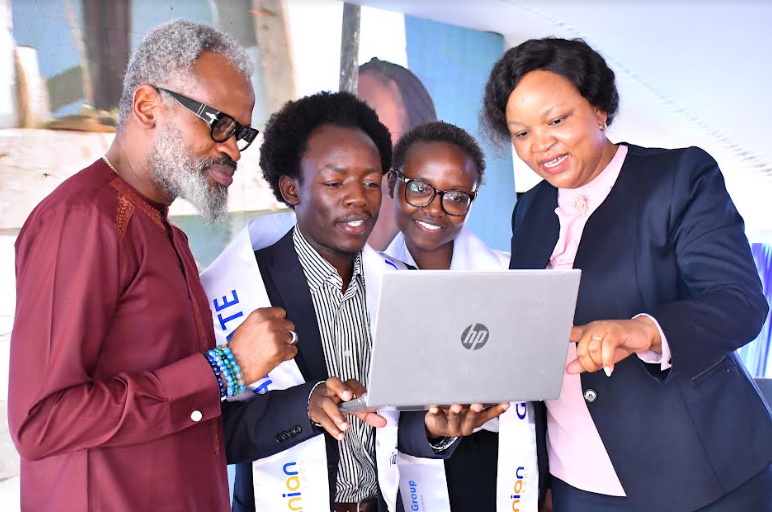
[[504, 407], [343, 426], [346, 395], [434, 410], [477, 407], [340, 437], [608, 371]]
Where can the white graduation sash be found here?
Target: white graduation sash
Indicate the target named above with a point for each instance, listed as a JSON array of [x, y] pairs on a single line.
[[296, 478], [517, 481]]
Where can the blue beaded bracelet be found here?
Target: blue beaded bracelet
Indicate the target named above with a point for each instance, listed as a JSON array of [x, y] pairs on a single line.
[[235, 370], [230, 378], [212, 358], [221, 372]]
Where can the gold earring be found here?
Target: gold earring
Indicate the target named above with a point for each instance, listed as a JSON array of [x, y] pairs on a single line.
[[603, 126]]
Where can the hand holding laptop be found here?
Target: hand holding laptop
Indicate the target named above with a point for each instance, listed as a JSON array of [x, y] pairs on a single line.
[[460, 420], [502, 338], [324, 411]]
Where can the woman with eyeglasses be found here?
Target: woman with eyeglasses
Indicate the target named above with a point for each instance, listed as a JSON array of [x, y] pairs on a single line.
[[401, 102], [437, 170], [669, 292]]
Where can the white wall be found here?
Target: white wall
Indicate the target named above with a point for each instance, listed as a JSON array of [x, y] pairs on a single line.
[[7, 71], [7, 306], [315, 28]]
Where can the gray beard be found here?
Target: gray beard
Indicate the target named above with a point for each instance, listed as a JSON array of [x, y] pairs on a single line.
[[179, 175]]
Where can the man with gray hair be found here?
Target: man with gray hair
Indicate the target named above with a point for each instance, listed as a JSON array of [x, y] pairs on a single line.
[[115, 382]]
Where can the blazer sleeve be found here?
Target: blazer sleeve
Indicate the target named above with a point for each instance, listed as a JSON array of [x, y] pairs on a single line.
[[278, 420], [413, 440], [723, 306], [267, 424]]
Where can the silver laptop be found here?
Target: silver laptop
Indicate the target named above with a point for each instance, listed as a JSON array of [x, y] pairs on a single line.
[[462, 337]]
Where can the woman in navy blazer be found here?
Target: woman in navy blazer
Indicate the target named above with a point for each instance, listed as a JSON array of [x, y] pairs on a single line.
[[665, 241]]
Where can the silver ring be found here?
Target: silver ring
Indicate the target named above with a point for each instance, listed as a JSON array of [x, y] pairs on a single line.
[[599, 338], [294, 340]]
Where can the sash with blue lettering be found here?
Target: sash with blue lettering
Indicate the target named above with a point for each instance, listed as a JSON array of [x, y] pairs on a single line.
[[295, 479]]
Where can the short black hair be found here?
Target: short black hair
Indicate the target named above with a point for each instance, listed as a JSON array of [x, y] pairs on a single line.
[[286, 134], [573, 59], [440, 131], [417, 100]]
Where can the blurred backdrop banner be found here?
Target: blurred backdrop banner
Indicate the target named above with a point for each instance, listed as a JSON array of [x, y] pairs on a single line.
[[61, 76], [61, 70], [68, 59]]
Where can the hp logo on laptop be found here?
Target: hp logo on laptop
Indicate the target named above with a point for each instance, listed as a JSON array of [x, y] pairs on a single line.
[[474, 337]]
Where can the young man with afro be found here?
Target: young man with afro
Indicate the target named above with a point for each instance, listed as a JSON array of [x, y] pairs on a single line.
[[325, 156]]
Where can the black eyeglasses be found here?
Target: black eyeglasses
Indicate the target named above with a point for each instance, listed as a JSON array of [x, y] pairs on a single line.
[[420, 194], [221, 126]]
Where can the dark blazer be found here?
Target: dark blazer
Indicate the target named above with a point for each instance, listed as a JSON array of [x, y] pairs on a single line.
[[471, 473], [278, 420], [667, 241]]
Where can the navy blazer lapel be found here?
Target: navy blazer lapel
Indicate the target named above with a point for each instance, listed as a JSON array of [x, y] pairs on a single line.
[[609, 225], [535, 228], [281, 265]]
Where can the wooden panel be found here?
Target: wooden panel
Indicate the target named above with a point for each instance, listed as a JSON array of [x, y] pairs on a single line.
[[273, 41]]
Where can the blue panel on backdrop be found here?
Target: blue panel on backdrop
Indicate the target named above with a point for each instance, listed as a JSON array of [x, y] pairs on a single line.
[[145, 14], [453, 63], [43, 25]]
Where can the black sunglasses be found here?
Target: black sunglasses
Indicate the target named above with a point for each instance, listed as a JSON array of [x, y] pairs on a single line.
[[221, 126]]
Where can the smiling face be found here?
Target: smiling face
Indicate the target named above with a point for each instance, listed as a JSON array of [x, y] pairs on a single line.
[[444, 166], [337, 198], [556, 131]]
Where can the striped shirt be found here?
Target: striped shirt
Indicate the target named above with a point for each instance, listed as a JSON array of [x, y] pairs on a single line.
[[344, 327]]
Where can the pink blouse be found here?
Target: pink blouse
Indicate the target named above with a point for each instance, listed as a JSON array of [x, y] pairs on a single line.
[[576, 453]]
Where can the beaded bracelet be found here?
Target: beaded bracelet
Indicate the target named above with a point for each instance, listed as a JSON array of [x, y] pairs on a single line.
[[230, 371], [212, 360], [235, 370], [230, 378]]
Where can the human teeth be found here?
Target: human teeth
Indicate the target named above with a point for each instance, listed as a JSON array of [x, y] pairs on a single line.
[[553, 163], [355, 223], [430, 227]]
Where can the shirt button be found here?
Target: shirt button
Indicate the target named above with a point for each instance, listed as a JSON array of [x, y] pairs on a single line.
[[590, 395], [196, 416]]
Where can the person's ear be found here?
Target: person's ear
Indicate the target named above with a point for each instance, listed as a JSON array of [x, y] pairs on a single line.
[[392, 182], [602, 118], [146, 105], [289, 190]]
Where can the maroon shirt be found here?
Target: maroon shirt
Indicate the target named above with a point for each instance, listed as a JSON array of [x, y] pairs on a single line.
[[111, 404]]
